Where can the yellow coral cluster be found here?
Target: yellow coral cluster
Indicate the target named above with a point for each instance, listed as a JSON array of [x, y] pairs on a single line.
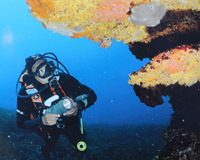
[[97, 19], [42, 8], [180, 65]]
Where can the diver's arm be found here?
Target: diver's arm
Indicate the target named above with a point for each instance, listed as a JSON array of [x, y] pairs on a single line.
[[83, 91], [32, 124], [23, 114], [22, 110], [76, 89]]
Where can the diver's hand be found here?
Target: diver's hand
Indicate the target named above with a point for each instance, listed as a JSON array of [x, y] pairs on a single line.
[[73, 111], [83, 98], [50, 119]]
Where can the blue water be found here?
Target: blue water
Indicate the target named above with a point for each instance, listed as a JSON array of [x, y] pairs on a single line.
[[104, 70]]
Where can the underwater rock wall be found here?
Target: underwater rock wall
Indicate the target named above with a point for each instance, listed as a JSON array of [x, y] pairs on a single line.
[[174, 72], [178, 27], [183, 134], [180, 65], [104, 20]]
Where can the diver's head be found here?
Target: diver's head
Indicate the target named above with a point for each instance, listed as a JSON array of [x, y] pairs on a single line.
[[40, 68]]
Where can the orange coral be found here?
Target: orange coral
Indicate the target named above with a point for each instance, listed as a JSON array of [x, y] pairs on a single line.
[[174, 60], [145, 1], [180, 65], [112, 10], [82, 34], [43, 8]]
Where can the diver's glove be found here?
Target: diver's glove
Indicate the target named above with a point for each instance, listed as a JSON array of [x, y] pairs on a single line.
[[82, 102], [50, 119]]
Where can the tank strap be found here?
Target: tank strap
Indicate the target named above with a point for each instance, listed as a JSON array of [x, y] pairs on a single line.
[[62, 89]]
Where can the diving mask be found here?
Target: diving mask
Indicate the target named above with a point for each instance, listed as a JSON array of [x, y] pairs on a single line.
[[45, 69]]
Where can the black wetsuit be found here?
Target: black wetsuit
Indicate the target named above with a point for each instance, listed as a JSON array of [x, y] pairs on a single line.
[[69, 126]]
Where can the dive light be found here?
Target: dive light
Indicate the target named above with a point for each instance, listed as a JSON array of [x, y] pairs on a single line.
[[62, 106]]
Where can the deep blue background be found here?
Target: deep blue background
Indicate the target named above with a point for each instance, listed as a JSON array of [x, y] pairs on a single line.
[[104, 70]]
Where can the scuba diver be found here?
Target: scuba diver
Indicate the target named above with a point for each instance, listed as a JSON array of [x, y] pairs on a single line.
[[50, 103]]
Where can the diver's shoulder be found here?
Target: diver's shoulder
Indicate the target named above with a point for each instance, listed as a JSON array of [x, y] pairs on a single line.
[[63, 76], [60, 74]]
